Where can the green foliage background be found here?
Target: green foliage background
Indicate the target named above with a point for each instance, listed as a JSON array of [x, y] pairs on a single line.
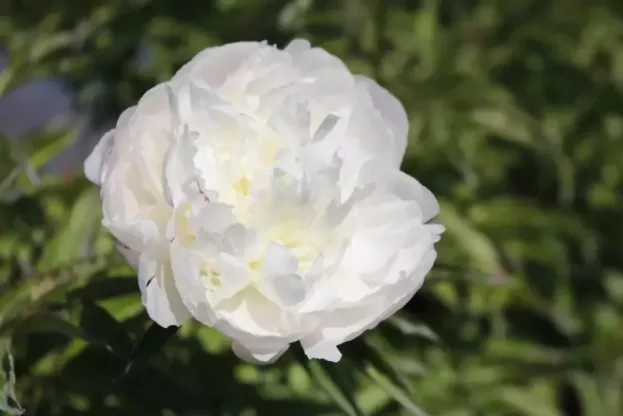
[[516, 110]]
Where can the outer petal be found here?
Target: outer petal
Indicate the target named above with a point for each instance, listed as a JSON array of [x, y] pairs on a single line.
[[258, 355], [131, 213], [343, 325], [96, 160], [392, 112], [160, 296], [388, 291], [408, 188], [213, 65], [297, 47], [148, 136]]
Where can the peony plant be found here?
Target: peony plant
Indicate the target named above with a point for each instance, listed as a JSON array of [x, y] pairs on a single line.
[[259, 192]]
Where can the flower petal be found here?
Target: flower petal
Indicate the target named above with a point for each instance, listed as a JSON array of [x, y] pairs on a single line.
[[409, 189], [392, 112], [346, 324], [213, 65], [95, 161], [234, 275], [258, 355], [186, 276], [160, 296]]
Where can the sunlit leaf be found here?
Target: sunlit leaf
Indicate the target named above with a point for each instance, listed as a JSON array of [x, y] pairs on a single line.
[[73, 239], [8, 401], [35, 291]]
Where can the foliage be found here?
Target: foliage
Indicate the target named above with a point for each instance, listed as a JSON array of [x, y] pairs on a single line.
[[516, 124]]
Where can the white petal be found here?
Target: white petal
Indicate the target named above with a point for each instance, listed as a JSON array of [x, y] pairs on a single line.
[[288, 290], [213, 65], [125, 118], [403, 293], [131, 256], [234, 275], [95, 161], [240, 240], [179, 168], [278, 260], [188, 282], [311, 61], [409, 189], [323, 352], [342, 325], [258, 355], [215, 217], [149, 136], [160, 296], [392, 112], [297, 47], [252, 319], [131, 212], [280, 281]]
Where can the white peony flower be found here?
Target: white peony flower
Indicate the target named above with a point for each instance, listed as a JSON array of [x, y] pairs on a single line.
[[259, 192]]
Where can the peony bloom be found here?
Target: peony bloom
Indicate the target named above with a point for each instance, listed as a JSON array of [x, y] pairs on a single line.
[[259, 192]]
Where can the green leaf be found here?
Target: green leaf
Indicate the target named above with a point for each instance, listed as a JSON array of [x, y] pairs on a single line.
[[330, 378], [104, 288], [8, 401], [9, 168], [408, 327], [426, 28], [49, 323], [590, 394], [292, 16], [378, 367], [45, 322], [73, 240], [506, 124], [474, 243], [101, 326], [598, 397], [152, 342], [364, 353], [527, 402], [397, 393], [36, 291], [49, 146]]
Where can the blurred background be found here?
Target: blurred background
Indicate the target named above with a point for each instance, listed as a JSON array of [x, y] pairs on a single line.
[[516, 111]]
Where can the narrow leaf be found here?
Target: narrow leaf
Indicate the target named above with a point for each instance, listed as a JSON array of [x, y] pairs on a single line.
[[474, 243], [363, 353], [408, 327], [152, 342], [107, 288], [42, 322], [330, 378], [36, 291], [8, 401], [394, 391], [99, 325], [72, 242]]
